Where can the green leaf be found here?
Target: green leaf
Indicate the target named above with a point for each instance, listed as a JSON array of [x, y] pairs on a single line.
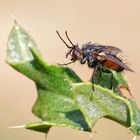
[[101, 103], [55, 102], [63, 99]]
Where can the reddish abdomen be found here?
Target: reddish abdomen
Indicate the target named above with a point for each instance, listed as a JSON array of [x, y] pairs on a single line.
[[111, 65]]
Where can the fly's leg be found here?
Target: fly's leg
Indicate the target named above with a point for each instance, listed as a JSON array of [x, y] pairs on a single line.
[[92, 79], [126, 88], [65, 64], [111, 81], [93, 75], [100, 75]]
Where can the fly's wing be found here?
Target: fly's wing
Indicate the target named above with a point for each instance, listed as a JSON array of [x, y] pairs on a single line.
[[109, 49], [118, 61], [98, 48], [113, 50]]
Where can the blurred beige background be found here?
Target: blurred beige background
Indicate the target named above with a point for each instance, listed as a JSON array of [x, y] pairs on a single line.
[[113, 22]]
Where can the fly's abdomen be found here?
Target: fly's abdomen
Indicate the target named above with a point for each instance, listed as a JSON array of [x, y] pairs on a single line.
[[111, 65]]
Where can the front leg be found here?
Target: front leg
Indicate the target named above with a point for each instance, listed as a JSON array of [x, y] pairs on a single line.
[[65, 64]]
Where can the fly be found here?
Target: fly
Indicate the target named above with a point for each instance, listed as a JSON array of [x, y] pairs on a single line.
[[96, 56]]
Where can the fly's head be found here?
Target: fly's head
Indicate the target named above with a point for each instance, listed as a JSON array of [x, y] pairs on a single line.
[[74, 52]]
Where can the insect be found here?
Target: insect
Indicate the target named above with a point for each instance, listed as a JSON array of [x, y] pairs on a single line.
[[97, 56]]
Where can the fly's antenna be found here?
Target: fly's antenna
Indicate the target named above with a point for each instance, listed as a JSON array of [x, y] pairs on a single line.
[[63, 40], [69, 38]]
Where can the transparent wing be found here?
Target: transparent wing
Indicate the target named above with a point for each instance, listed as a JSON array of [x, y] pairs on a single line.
[[109, 49], [101, 48]]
